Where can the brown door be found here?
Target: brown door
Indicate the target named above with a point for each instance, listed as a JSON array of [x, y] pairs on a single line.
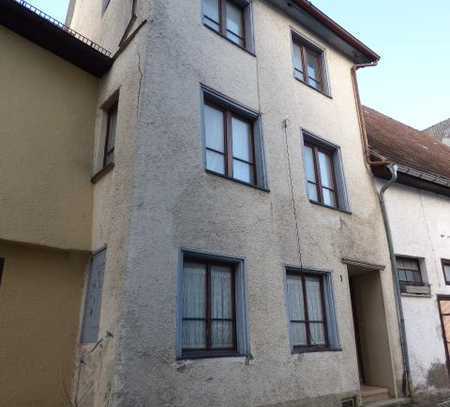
[[444, 311]]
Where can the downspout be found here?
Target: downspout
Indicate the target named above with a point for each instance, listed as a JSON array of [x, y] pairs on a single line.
[[406, 382]]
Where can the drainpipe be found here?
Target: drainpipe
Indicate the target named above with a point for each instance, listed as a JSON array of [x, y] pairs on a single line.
[[406, 382]]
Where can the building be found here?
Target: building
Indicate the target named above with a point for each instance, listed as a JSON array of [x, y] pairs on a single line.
[[49, 81], [418, 209], [243, 230], [441, 131]]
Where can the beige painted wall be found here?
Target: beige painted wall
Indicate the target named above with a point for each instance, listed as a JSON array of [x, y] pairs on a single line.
[[47, 116], [40, 298]]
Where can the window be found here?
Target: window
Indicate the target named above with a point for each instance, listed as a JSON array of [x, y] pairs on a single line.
[[92, 307], [446, 269], [212, 307], [324, 174], [2, 264], [308, 64], [110, 138], [229, 18], [233, 145], [312, 318], [409, 272], [105, 5]]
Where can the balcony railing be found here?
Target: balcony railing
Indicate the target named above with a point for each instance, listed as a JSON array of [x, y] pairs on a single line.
[[64, 27]]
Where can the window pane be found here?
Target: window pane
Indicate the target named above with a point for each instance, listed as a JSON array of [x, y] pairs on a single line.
[[314, 298], [309, 164], [317, 334], [243, 171], [194, 306], [235, 23], [326, 170], [112, 128], [296, 305], [194, 334], [222, 334], [445, 306], [297, 331], [313, 67], [447, 272], [242, 140], [214, 128], [211, 10], [222, 296], [194, 291], [298, 58], [329, 197], [406, 263], [215, 162], [312, 192]]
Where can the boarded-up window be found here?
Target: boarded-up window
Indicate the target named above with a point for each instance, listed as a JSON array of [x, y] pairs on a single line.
[[92, 308]]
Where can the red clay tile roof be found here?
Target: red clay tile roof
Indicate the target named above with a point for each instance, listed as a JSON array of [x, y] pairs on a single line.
[[405, 145]]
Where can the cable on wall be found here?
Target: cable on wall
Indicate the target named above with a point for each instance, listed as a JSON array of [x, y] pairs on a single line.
[[292, 192]]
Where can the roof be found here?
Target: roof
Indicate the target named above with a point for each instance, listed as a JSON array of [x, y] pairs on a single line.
[[418, 154], [324, 27], [440, 130], [43, 30]]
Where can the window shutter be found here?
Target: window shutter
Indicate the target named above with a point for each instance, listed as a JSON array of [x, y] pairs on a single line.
[[91, 320]]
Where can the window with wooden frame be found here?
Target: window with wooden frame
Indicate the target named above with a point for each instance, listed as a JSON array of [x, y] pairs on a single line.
[[229, 18], [2, 265], [308, 328], [309, 64], [232, 140], [446, 270], [209, 308], [320, 174], [110, 135], [409, 271]]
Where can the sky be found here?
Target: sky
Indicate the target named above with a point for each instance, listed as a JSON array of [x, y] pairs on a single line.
[[412, 81]]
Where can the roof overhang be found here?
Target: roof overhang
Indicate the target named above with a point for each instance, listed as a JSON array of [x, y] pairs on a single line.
[[414, 178], [52, 35], [310, 17]]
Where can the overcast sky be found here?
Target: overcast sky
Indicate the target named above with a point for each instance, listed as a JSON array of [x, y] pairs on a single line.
[[412, 81]]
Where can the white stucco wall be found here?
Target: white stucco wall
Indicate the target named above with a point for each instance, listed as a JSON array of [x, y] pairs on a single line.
[[420, 223], [162, 200]]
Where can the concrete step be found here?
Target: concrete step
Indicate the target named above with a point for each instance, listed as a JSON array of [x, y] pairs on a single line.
[[388, 403], [370, 394]]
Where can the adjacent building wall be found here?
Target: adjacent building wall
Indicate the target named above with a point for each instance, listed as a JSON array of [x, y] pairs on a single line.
[[420, 223], [47, 116], [40, 299]]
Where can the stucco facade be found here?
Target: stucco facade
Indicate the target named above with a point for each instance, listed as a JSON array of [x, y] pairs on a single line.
[[159, 200], [420, 226], [47, 115]]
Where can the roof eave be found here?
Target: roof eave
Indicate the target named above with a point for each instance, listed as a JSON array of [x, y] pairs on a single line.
[[327, 29]]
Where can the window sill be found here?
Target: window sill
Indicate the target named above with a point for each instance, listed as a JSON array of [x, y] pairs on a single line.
[[330, 207], [416, 295], [313, 88], [297, 351], [237, 181], [206, 355], [100, 174], [231, 42]]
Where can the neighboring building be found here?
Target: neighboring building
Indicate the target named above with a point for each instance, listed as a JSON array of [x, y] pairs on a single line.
[[243, 228], [49, 83], [418, 207], [441, 131]]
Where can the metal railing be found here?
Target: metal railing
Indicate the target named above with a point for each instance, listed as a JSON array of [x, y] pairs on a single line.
[[64, 27]]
